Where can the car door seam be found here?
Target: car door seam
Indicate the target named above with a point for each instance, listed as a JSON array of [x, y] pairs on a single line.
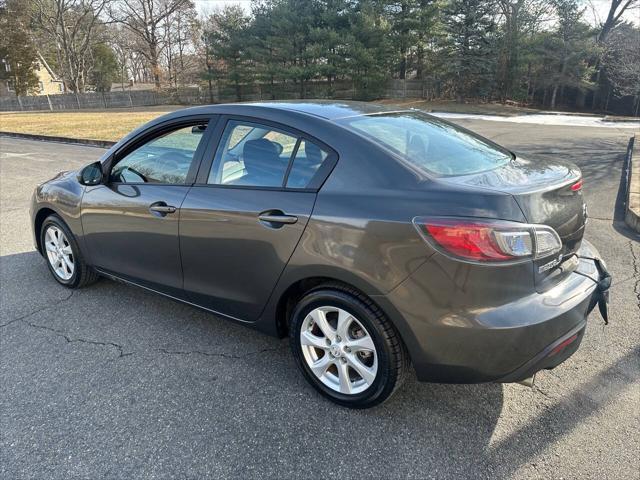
[[184, 199], [275, 284]]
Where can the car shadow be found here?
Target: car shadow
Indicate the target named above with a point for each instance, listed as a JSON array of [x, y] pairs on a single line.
[[566, 414]]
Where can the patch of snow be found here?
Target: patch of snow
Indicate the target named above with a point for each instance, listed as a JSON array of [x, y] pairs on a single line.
[[544, 119]]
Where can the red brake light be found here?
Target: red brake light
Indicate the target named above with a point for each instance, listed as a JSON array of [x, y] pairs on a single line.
[[467, 240], [485, 240], [576, 187], [480, 240]]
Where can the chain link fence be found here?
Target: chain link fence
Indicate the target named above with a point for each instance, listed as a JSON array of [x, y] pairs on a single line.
[[341, 90]]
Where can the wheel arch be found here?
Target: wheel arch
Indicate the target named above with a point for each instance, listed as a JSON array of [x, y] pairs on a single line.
[[38, 220], [288, 299]]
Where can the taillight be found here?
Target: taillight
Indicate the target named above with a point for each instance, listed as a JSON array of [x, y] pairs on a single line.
[[576, 187], [483, 241]]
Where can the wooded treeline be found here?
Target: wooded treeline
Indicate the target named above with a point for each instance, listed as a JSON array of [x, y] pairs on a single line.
[[534, 52]]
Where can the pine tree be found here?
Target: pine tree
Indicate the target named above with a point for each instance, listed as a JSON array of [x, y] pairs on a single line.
[[226, 42], [571, 50], [18, 54], [470, 47]]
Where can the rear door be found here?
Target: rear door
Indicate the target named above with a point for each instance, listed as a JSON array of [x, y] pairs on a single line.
[[244, 217]]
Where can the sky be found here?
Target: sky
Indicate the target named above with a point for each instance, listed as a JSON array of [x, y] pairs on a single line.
[[596, 9]]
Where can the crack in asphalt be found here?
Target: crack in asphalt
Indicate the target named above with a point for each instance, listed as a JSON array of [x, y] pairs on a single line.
[[123, 353], [121, 350], [118, 347], [213, 354], [61, 334], [42, 309]]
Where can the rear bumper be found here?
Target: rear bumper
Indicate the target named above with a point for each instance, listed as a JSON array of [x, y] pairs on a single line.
[[497, 343], [552, 356]]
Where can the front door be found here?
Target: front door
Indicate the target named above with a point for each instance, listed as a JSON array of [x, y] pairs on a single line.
[[131, 222], [241, 222]]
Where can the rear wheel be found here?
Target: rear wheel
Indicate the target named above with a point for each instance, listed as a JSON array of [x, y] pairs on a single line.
[[346, 347], [63, 255]]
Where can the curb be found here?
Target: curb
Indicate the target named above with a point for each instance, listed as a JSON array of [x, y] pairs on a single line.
[[632, 212], [615, 119], [46, 138]]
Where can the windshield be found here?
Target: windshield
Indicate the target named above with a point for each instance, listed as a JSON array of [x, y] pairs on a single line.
[[430, 144]]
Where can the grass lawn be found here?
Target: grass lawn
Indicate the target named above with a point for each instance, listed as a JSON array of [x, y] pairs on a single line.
[[95, 125], [113, 124]]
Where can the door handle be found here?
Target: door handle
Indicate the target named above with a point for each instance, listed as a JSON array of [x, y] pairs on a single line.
[[162, 208], [277, 218]]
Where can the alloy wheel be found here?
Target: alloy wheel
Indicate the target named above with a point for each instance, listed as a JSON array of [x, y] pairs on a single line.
[[59, 252], [339, 350]]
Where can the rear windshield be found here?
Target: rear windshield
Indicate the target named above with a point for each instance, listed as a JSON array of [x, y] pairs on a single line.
[[431, 145]]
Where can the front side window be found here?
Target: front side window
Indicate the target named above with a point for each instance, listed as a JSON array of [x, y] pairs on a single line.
[[250, 154], [164, 159], [429, 144]]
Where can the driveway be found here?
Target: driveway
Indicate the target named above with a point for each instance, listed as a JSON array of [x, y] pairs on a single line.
[[112, 381]]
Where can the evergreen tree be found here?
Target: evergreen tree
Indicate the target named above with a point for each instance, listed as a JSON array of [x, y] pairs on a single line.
[[411, 22], [18, 54], [105, 67], [470, 47], [570, 50], [369, 49], [225, 39]]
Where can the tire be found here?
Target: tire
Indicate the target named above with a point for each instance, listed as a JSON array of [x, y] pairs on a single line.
[[347, 310], [81, 274]]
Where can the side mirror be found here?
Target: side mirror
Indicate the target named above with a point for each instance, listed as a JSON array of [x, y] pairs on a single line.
[[91, 174]]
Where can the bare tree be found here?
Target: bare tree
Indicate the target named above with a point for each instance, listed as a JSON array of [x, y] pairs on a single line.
[[616, 10], [71, 26], [122, 46], [621, 61], [146, 19]]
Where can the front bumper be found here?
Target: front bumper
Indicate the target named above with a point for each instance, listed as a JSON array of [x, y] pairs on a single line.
[[503, 343]]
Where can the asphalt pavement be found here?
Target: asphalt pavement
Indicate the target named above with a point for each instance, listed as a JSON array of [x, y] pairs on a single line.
[[115, 382]]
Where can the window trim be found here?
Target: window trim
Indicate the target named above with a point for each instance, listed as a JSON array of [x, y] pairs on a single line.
[[317, 180], [157, 130]]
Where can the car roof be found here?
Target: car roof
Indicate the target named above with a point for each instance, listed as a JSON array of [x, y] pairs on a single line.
[[325, 109], [329, 109]]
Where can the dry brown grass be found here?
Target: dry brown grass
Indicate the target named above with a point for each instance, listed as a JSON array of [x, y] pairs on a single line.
[[96, 125], [112, 125]]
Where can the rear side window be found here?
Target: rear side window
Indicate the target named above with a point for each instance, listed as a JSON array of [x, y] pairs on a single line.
[[255, 155], [430, 144], [250, 154]]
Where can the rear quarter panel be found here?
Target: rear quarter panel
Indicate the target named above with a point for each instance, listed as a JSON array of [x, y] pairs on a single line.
[[361, 229]]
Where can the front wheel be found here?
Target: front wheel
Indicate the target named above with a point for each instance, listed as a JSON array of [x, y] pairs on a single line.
[[63, 255], [346, 347]]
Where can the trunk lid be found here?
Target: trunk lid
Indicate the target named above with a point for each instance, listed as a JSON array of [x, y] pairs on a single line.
[[543, 192]]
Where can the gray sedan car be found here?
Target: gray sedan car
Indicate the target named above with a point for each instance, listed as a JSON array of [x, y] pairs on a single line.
[[374, 238]]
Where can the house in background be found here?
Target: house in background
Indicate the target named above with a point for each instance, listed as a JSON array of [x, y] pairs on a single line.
[[48, 81]]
